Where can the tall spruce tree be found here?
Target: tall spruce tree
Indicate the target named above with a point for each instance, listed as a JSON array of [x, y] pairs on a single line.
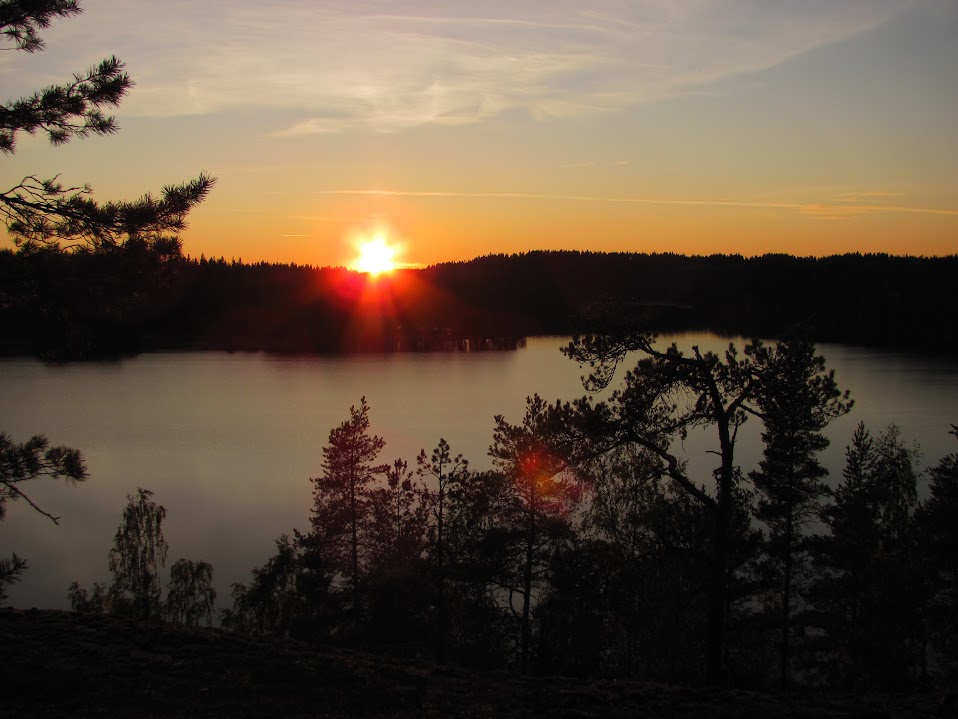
[[798, 400], [540, 499], [440, 473], [341, 500], [870, 594]]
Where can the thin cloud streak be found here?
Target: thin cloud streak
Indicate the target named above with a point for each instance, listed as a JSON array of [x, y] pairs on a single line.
[[825, 210]]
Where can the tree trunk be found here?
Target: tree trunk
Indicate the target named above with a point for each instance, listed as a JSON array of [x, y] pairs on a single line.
[[715, 666], [527, 582], [786, 647], [355, 544], [441, 582], [718, 601]]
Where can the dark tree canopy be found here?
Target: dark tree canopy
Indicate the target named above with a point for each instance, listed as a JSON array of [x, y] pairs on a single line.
[[46, 212], [669, 393]]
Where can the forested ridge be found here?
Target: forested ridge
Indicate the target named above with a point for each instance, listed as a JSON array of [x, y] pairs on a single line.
[[86, 305]]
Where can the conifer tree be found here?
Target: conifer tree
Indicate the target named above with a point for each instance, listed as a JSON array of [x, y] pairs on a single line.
[[798, 400], [397, 601], [398, 519], [47, 212], [341, 499], [626, 596], [870, 593], [540, 497], [939, 537], [479, 634], [445, 471], [666, 395]]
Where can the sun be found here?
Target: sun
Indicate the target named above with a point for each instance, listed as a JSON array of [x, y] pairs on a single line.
[[376, 256]]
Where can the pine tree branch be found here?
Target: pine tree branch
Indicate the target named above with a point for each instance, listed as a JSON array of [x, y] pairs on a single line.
[[11, 487], [21, 19], [73, 109], [45, 213]]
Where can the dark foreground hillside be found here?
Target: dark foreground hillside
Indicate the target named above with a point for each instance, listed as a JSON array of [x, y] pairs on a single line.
[[61, 664]]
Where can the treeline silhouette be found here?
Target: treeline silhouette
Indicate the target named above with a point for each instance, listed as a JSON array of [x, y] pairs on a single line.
[[64, 306]]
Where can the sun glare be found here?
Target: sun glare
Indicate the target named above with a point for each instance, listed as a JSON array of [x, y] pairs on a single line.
[[376, 256]]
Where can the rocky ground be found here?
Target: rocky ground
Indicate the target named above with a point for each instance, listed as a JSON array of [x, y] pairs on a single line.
[[57, 664]]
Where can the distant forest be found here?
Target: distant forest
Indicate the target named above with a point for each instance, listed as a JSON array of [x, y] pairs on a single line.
[[62, 306]]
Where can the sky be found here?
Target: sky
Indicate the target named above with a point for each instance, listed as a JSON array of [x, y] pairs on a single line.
[[460, 129]]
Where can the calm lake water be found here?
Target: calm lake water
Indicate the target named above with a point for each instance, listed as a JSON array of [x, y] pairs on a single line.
[[228, 442]]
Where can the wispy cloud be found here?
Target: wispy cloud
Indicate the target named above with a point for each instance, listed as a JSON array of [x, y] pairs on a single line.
[[856, 203], [597, 163], [843, 211], [835, 209], [371, 64]]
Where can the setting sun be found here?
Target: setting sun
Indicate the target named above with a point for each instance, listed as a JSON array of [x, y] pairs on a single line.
[[376, 256]]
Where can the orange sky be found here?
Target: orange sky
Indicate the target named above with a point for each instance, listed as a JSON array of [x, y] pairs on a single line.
[[458, 130]]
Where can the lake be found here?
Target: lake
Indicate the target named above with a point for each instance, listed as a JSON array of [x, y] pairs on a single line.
[[228, 442]]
